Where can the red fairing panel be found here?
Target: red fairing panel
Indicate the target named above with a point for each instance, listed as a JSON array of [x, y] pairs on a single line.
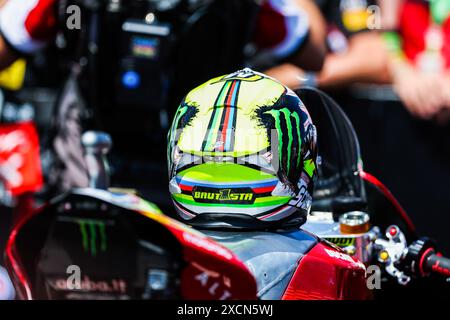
[[326, 273], [213, 272]]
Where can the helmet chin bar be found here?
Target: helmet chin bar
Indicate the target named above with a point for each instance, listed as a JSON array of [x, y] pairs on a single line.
[[244, 222]]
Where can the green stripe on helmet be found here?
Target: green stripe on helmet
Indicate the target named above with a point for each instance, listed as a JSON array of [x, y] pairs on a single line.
[[287, 116], [224, 172], [276, 116], [297, 125]]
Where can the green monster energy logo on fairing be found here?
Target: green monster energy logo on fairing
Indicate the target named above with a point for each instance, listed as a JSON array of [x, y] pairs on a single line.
[[288, 118], [93, 233]]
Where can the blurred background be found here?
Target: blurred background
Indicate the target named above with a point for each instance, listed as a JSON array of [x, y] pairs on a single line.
[[124, 66]]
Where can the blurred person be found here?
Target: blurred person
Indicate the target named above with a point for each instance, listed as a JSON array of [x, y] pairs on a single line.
[[285, 30], [356, 53], [290, 31], [283, 27], [418, 41], [419, 63]]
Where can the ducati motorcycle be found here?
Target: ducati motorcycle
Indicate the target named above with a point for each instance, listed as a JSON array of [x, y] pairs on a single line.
[[105, 243]]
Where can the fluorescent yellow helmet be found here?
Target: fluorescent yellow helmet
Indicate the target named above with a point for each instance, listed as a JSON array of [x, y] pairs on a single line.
[[242, 154]]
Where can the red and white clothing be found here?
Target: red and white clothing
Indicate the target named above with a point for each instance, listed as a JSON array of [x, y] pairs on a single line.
[[415, 21], [27, 25]]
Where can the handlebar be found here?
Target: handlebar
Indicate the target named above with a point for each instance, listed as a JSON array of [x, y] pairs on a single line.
[[435, 263], [419, 259], [422, 259]]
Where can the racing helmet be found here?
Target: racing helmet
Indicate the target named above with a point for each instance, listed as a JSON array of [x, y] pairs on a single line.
[[242, 154]]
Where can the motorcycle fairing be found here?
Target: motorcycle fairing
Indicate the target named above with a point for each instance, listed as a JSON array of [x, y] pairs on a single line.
[[326, 273], [271, 257], [296, 265], [208, 270]]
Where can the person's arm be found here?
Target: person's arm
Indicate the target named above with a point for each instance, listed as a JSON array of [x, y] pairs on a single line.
[[312, 54], [365, 61], [423, 94], [389, 13], [288, 74]]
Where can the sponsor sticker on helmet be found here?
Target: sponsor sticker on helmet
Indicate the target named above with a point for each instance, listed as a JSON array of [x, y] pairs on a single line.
[[225, 196]]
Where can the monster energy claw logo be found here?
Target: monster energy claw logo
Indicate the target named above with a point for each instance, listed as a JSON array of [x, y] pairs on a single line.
[[93, 234], [286, 126]]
